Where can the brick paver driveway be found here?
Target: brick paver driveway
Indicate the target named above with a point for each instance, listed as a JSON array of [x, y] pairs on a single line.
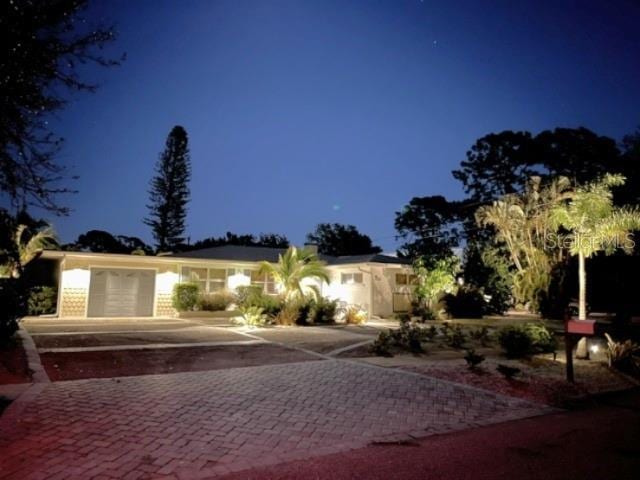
[[201, 424]]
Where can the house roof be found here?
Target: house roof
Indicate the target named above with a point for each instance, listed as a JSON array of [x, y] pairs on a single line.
[[258, 254]]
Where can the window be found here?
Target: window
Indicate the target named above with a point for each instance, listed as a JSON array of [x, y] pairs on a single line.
[[351, 278], [208, 279], [266, 282], [406, 279]]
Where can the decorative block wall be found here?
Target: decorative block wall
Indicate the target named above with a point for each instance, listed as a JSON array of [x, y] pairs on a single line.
[[73, 302]]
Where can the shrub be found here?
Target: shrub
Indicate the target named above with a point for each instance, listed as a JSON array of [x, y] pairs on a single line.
[[185, 296], [515, 341], [323, 311], [383, 344], [304, 306], [623, 356], [468, 302], [542, 339], [288, 315], [473, 359], [12, 308], [215, 302], [455, 336], [507, 371], [482, 335], [354, 315], [253, 316], [42, 300], [252, 296]]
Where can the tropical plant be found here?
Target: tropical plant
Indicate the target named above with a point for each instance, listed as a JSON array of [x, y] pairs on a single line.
[[323, 311], [624, 356], [521, 222], [253, 316], [473, 359], [27, 245], [595, 225], [383, 344], [432, 284], [354, 315], [287, 316], [467, 302], [515, 341], [292, 268]]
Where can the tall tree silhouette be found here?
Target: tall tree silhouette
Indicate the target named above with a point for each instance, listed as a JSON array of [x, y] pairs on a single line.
[[169, 193]]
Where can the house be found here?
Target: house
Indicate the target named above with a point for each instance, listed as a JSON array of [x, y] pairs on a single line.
[[116, 285]]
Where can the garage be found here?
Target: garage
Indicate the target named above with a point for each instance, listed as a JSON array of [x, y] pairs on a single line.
[[120, 292]]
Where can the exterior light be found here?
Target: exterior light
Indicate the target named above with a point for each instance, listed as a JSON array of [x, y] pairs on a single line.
[[594, 348]]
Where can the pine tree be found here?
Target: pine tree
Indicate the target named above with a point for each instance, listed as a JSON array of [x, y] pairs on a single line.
[[169, 192]]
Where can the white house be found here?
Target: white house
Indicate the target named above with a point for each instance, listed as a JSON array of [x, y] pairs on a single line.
[[115, 285]]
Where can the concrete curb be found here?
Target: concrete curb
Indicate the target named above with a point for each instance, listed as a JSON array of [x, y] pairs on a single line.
[[39, 374]]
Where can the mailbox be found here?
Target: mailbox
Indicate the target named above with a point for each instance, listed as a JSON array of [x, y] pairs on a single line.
[[580, 327]]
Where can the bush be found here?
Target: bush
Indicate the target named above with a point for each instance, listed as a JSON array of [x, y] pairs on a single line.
[[542, 339], [623, 356], [185, 296], [253, 316], [252, 296], [215, 302], [323, 311], [383, 344], [12, 308], [454, 336], [515, 341], [304, 306], [466, 303], [42, 300], [354, 315], [288, 315], [473, 359], [482, 335]]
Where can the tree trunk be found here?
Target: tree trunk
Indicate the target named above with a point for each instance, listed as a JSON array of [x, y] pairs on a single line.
[[583, 349]]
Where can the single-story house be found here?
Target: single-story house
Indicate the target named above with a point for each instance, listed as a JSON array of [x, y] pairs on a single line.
[[117, 285]]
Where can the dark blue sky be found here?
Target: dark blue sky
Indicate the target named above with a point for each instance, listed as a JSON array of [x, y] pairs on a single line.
[[302, 112]]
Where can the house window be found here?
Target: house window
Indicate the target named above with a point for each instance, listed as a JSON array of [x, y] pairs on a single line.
[[208, 279], [266, 282], [351, 278], [406, 279]]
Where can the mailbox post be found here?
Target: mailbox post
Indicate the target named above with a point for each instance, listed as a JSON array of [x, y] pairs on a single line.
[[573, 331]]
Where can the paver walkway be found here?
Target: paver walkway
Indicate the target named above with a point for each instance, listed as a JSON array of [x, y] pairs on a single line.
[[202, 424]]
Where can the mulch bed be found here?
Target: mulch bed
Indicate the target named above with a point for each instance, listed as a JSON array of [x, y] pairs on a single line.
[[14, 367], [540, 380], [124, 363]]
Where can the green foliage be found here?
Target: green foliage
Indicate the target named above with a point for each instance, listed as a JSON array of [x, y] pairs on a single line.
[[542, 339], [383, 344], [169, 192], [473, 359], [454, 336], [185, 296], [294, 266], [354, 315], [42, 300], [515, 341], [323, 311], [253, 316], [272, 240], [435, 281], [253, 296], [338, 240], [482, 335], [287, 316], [13, 307], [215, 302], [487, 269], [467, 302], [623, 356]]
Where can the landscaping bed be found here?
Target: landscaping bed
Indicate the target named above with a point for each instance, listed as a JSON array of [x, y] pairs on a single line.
[[540, 380], [14, 367], [124, 363]]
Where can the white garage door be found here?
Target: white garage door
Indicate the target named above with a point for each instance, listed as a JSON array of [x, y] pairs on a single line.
[[119, 292]]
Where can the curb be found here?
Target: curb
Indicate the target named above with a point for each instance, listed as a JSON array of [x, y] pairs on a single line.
[[39, 374]]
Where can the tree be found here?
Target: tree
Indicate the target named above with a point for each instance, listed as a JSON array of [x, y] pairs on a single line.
[[430, 227], [272, 240], [27, 245], [293, 267], [594, 225], [101, 241], [339, 240], [522, 222], [436, 281], [169, 193], [44, 44]]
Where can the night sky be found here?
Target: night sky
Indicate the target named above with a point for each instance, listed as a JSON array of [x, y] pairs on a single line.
[[301, 112]]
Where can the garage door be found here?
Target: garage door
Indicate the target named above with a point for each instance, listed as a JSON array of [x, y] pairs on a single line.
[[119, 292]]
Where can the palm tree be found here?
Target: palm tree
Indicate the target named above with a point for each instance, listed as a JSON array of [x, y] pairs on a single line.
[[292, 268], [595, 225], [26, 247]]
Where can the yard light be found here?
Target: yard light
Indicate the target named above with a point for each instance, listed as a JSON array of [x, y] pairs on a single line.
[[594, 348]]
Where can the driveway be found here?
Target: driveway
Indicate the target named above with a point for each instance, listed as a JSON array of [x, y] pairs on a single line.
[[203, 424]]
